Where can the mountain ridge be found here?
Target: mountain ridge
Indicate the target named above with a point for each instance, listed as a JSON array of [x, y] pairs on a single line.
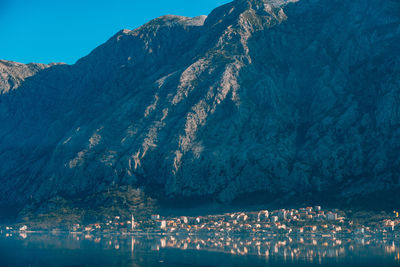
[[14, 73], [279, 99]]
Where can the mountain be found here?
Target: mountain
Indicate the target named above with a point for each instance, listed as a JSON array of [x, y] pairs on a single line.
[[12, 74], [259, 102]]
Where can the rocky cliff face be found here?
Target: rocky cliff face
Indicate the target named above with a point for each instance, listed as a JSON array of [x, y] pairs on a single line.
[[12, 74], [261, 99]]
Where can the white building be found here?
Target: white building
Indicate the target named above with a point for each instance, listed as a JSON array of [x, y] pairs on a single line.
[[162, 224], [184, 219], [282, 214], [155, 217], [75, 227], [242, 217], [262, 215]]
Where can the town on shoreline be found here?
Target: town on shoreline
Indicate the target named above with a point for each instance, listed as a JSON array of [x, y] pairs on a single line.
[[314, 221]]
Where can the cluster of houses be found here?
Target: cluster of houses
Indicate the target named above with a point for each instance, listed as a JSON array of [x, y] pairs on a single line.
[[304, 221], [294, 221]]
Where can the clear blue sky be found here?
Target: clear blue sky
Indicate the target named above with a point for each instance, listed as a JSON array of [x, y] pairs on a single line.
[[47, 31]]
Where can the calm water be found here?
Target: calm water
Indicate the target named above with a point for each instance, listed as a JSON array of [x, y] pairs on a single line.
[[81, 250]]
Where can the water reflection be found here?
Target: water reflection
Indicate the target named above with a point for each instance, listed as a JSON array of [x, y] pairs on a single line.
[[284, 250]]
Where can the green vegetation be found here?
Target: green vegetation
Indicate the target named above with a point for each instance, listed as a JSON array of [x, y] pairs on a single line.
[[59, 212], [368, 218]]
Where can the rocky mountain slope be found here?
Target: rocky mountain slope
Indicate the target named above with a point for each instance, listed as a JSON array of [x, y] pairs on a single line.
[[12, 74], [262, 99]]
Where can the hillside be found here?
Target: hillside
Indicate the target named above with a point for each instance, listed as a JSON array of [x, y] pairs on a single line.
[[260, 101]]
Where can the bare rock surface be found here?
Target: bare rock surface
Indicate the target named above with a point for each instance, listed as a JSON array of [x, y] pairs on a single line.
[[12, 74], [262, 98]]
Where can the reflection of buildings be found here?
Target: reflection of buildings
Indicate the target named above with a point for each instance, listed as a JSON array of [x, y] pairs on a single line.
[[287, 249], [308, 250]]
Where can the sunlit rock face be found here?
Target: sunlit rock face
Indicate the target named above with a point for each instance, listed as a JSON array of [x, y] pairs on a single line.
[[13, 74], [290, 99]]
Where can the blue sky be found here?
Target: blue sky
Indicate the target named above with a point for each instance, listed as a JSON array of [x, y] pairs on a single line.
[[47, 31]]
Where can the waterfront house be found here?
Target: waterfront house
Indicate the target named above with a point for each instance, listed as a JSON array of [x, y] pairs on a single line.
[[310, 229], [282, 215], [155, 217], [161, 224], [262, 215], [389, 228], [184, 220], [75, 227], [242, 217]]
